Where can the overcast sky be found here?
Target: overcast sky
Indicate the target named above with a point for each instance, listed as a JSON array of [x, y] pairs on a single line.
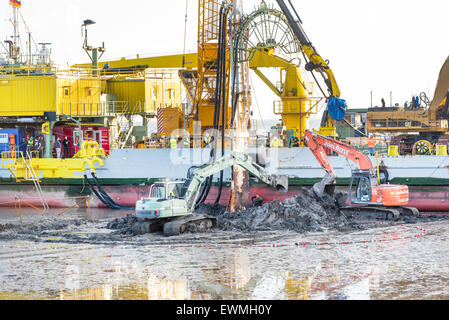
[[379, 46]]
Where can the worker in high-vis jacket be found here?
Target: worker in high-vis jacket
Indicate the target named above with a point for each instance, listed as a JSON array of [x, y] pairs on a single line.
[[207, 140], [30, 146], [173, 143], [186, 142], [275, 142], [372, 145]]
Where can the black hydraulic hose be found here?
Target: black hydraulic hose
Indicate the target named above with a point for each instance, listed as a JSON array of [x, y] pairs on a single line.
[[234, 94], [220, 93], [222, 50], [106, 196], [99, 196], [207, 185], [205, 190], [103, 193]]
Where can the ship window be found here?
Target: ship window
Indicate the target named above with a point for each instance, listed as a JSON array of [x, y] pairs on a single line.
[[88, 92], [66, 91]]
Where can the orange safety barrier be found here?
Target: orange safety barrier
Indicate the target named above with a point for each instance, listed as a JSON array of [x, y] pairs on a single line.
[[18, 206]]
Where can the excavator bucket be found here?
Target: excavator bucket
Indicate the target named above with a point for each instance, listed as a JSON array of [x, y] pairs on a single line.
[[280, 182], [326, 185]]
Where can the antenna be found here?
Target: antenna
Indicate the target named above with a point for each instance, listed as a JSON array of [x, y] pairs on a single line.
[[94, 56]]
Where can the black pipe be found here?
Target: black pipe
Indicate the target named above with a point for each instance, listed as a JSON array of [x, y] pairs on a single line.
[[103, 196], [219, 94], [107, 197], [222, 79], [205, 188], [106, 203]]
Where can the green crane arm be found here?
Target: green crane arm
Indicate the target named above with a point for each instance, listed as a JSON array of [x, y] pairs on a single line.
[[280, 182]]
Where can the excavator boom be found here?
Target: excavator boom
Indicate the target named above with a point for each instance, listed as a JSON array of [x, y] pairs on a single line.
[[279, 182], [171, 204], [317, 143]]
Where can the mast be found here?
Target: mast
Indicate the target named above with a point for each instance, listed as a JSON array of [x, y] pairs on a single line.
[[14, 52]]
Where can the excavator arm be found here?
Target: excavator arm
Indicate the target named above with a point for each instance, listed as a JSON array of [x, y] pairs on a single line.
[[280, 182], [317, 143], [370, 199], [336, 107]]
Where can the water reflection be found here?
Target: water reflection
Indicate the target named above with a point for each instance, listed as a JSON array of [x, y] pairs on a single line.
[[403, 269]]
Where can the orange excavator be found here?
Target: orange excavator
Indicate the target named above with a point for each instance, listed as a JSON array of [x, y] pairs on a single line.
[[366, 196]]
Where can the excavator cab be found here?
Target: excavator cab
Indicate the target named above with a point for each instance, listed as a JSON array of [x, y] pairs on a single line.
[[360, 187], [165, 190]]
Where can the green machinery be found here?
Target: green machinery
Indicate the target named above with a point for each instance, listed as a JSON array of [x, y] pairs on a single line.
[[171, 204]]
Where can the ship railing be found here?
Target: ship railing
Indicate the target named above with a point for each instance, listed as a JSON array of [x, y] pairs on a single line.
[[20, 160], [409, 124], [300, 106], [162, 74], [28, 70], [94, 109], [15, 159]]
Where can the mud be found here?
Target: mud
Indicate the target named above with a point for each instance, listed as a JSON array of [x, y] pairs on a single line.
[[302, 214]]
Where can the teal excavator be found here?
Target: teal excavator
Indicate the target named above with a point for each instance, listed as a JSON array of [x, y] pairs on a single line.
[[171, 204]]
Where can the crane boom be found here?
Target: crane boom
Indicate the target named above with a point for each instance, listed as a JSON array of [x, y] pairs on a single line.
[[336, 106]]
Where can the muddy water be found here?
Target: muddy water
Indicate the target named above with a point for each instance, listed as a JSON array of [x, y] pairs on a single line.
[[376, 266]]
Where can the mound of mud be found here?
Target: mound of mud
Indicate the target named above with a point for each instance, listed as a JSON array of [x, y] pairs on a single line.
[[303, 213], [128, 225]]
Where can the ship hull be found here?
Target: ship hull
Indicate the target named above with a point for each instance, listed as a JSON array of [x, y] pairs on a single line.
[[129, 173], [424, 198]]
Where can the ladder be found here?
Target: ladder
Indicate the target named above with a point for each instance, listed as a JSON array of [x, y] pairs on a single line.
[[125, 132], [30, 175]]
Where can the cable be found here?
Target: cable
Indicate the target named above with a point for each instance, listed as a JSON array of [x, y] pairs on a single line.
[[222, 48], [185, 36], [103, 196], [218, 97]]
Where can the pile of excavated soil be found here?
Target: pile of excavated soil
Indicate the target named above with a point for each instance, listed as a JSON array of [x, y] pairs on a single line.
[[303, 213]]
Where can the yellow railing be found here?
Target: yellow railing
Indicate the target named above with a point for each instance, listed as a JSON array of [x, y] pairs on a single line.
[[94, 109], [310, 105], [11, 159], [28, 70]]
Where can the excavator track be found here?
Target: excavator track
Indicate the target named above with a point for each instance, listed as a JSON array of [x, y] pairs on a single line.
[[408, 211], [378, 213], [190, 223]]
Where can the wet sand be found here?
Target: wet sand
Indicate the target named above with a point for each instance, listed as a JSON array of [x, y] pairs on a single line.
[[69, 258]]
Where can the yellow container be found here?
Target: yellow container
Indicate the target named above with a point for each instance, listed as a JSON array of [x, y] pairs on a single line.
[[162, 94], [79, 97], [393, 151], [128, 90], [27, 96], [441, 150]]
